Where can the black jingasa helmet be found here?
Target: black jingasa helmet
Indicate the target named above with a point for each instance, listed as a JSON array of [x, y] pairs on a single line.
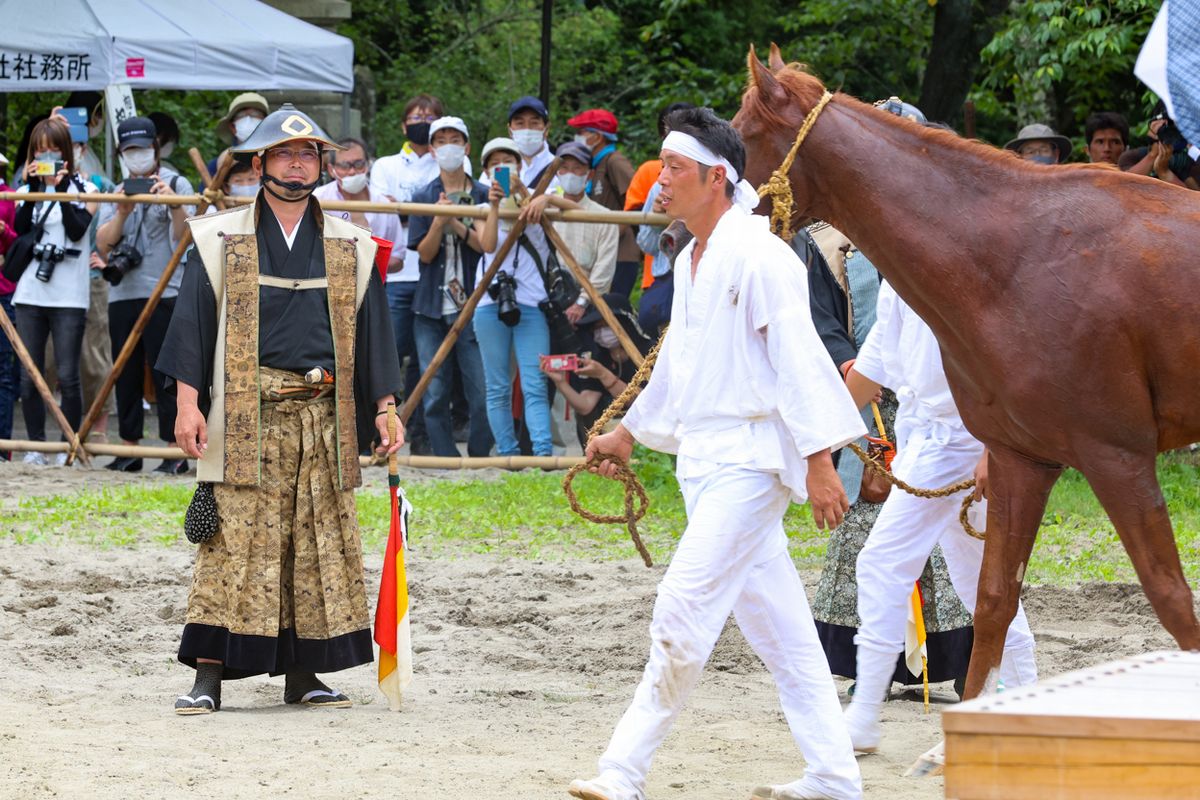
[[286, 124]]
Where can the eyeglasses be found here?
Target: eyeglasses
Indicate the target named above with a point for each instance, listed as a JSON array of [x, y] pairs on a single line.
[[284, 155], [350, 166], [418, 118]]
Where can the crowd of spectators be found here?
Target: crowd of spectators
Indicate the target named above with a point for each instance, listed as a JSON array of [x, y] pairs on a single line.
[[76, 303]]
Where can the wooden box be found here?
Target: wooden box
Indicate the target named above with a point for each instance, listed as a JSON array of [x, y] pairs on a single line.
[[1128, 729]]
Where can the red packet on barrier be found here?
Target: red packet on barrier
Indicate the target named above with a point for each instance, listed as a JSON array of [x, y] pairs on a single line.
[[382, 256], [563, 363]]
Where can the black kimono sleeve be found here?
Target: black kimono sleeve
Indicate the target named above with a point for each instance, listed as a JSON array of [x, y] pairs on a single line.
[[376, 363], [190, 345], [826, 300]]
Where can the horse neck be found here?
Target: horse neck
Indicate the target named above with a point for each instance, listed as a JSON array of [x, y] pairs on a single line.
[[908, 205]]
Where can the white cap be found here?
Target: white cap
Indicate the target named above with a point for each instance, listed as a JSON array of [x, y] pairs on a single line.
[[454, 123]]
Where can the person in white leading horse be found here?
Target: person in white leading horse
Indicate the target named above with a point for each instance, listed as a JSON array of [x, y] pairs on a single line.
[[933, 449], [744, 393]]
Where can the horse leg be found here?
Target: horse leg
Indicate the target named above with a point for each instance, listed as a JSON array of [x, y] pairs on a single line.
[[1017, 498], [1127, 486]]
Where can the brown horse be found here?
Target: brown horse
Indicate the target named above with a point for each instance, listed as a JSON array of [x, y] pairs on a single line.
[[1065, 300]]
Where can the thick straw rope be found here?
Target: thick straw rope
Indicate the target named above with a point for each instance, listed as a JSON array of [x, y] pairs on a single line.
[[945, 491], [779, 185], [633, 487]]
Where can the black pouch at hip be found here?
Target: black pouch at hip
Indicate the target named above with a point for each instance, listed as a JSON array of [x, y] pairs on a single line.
[[201, 522]]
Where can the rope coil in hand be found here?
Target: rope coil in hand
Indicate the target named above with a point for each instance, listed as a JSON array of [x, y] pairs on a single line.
[[633, 487], [945, 491]]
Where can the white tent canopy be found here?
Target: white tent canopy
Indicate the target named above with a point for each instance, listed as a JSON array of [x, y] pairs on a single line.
[[58, 45]]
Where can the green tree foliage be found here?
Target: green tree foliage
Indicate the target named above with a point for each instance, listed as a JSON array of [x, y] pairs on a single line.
[[1056, 61]]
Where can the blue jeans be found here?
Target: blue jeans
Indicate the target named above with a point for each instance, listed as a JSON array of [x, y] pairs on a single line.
[[529, 339], [10, 374], [37, 325], [400, 301], [429, 334]]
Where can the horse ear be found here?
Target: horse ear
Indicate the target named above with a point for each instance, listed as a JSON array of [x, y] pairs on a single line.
[[776, 58], [760, 77]]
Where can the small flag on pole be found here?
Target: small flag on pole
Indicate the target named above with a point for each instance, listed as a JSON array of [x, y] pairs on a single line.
[[392, 632], [916, 656]]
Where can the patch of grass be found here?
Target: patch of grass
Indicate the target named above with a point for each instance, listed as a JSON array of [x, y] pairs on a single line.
[[525, 515]]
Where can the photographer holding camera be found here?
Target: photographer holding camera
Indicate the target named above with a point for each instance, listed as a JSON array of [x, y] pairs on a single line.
[[448, 250], [605, 369], [508, 320], [1168, 157], [51, 298], [137, 240]]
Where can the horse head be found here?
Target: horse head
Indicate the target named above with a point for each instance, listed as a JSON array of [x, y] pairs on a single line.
[[774, 105]]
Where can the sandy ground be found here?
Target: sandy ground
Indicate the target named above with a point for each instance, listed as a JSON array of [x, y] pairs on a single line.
[[522, 670]]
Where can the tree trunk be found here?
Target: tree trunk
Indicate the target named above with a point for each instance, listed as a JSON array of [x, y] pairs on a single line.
[[961, 29]]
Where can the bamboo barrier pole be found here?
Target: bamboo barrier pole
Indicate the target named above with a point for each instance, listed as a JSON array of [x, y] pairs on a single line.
[[206, 176], [143, 319], [407, 209], [36, 376], [597, 299], [415, 462], [468, 309]]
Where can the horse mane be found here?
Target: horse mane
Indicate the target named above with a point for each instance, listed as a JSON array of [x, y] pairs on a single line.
[[804, 90]]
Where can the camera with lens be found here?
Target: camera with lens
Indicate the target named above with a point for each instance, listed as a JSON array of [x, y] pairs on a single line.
[[49, 256], [1170, 136], [504, 291], [123, 258]]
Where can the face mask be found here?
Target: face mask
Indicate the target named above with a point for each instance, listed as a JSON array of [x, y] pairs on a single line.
[[605, 338], [244, 126], [529, 141], [97, 130], [243, 190], [138, 160], [450, 157], [78, 153], [353, 184], [48, 157], [572, 183], [1042, 159], [166, 149], [583, 139], [418, 133]]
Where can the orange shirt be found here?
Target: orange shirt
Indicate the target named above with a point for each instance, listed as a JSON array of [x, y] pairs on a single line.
[[635, 197]]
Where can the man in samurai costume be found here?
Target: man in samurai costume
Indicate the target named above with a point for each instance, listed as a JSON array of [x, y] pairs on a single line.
[[271, 292], [744, 393]]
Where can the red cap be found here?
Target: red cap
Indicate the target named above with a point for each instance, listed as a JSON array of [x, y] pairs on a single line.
[[596, 118]]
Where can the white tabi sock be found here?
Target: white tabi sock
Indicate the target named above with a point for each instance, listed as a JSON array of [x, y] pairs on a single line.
[[872, 683]]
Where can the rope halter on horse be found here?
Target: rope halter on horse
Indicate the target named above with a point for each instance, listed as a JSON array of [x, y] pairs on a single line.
[[779, 187]]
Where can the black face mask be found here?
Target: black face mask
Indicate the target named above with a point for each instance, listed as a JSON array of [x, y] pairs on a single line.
[[292, 186], [418, 133]]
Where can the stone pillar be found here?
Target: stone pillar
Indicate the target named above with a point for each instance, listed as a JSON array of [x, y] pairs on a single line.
[[324, 107]]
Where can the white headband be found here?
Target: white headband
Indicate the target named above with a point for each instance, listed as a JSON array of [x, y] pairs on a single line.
[[744, 195]]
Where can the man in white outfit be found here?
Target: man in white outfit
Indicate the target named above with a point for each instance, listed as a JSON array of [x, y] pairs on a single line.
[[745, 395], [934, 449]]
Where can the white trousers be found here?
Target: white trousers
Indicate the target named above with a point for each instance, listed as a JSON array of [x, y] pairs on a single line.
[[733, 558], [904, 535]]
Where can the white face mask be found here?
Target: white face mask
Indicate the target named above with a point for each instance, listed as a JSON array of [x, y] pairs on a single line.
[[243, 190], [244, 126], [138, 160], [572, 183], [605, 337], [529, 141], [450, 157], [583, 139], [166, 150], [78, 154], [353, 184]]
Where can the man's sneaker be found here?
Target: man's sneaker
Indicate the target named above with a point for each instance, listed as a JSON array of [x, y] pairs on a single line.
[[608, 786], [60, 459], [802, 789], [35, 458]]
